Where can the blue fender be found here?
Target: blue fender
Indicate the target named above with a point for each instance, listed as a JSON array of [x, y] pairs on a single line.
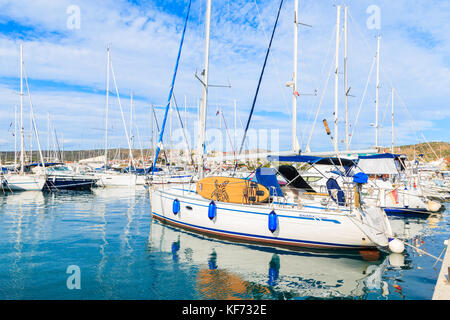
[[273, 221], [176, 206], [212, 210]]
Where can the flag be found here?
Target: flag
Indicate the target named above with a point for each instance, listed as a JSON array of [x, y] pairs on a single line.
[[394, 196]]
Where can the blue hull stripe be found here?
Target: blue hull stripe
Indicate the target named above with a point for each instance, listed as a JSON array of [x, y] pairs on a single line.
[[258, 237]]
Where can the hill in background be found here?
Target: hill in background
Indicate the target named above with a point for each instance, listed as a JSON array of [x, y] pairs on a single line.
[[431, 151]]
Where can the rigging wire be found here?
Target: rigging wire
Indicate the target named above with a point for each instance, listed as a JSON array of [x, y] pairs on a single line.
[[277, 71], [260, 77]]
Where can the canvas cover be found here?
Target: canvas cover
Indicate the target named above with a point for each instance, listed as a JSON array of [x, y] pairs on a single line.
[[377, 166]]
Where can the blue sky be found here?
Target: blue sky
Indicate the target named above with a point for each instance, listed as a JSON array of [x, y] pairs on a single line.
[[67, 67]]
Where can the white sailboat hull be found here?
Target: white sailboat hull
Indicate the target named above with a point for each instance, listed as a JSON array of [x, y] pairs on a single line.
[[169, 178], [311, 226], [25, 182], [116, 180]]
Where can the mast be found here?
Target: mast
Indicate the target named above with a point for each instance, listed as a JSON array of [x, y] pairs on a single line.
[[185, 123], [31, 132], [336, 80], [204, 100], [235, 124], [392, 132], [295, 145], [152, 128], [107, 105], [33, 124], [48, 136], [15, 138], [62, 147], [377, 92], [160, 145], [131, 127], [131, 116], [170, 132], [347, 145], [22, 142]]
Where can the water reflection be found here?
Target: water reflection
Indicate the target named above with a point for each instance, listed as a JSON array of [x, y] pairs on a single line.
[[241, 271], [106, 232]]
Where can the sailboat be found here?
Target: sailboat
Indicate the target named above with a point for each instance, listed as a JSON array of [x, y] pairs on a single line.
[[111, 178], [393, 191], [25, 180], [257, 211], [165, 177]]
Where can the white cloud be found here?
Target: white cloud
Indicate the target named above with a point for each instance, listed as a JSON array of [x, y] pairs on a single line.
[[145, 40]]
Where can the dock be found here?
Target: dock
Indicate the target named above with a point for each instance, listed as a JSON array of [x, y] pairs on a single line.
[[442, 288]]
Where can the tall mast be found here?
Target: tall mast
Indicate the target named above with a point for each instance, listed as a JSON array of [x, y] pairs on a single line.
[[22, 142], [31, 134], [48, 136], [186, 125], [336, 80], [295, 145], [392, 132], [131, 126], [346, 79], [131, 116], [235, 124], [170, 131], [15, 138], [204, 100], [107, 105], [152, 129], [62, 147], [377, 92], [169, 99]]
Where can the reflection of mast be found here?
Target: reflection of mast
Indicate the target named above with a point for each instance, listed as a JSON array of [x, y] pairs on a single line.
[[103, 260], [18, 247], [126, 234]]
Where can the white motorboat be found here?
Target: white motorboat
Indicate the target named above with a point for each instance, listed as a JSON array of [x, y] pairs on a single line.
[[115, 179]]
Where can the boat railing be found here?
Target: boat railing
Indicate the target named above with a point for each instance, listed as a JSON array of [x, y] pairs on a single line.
[[272, 197]]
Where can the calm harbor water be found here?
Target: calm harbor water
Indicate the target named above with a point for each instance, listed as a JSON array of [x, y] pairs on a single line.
[[122, 254]]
